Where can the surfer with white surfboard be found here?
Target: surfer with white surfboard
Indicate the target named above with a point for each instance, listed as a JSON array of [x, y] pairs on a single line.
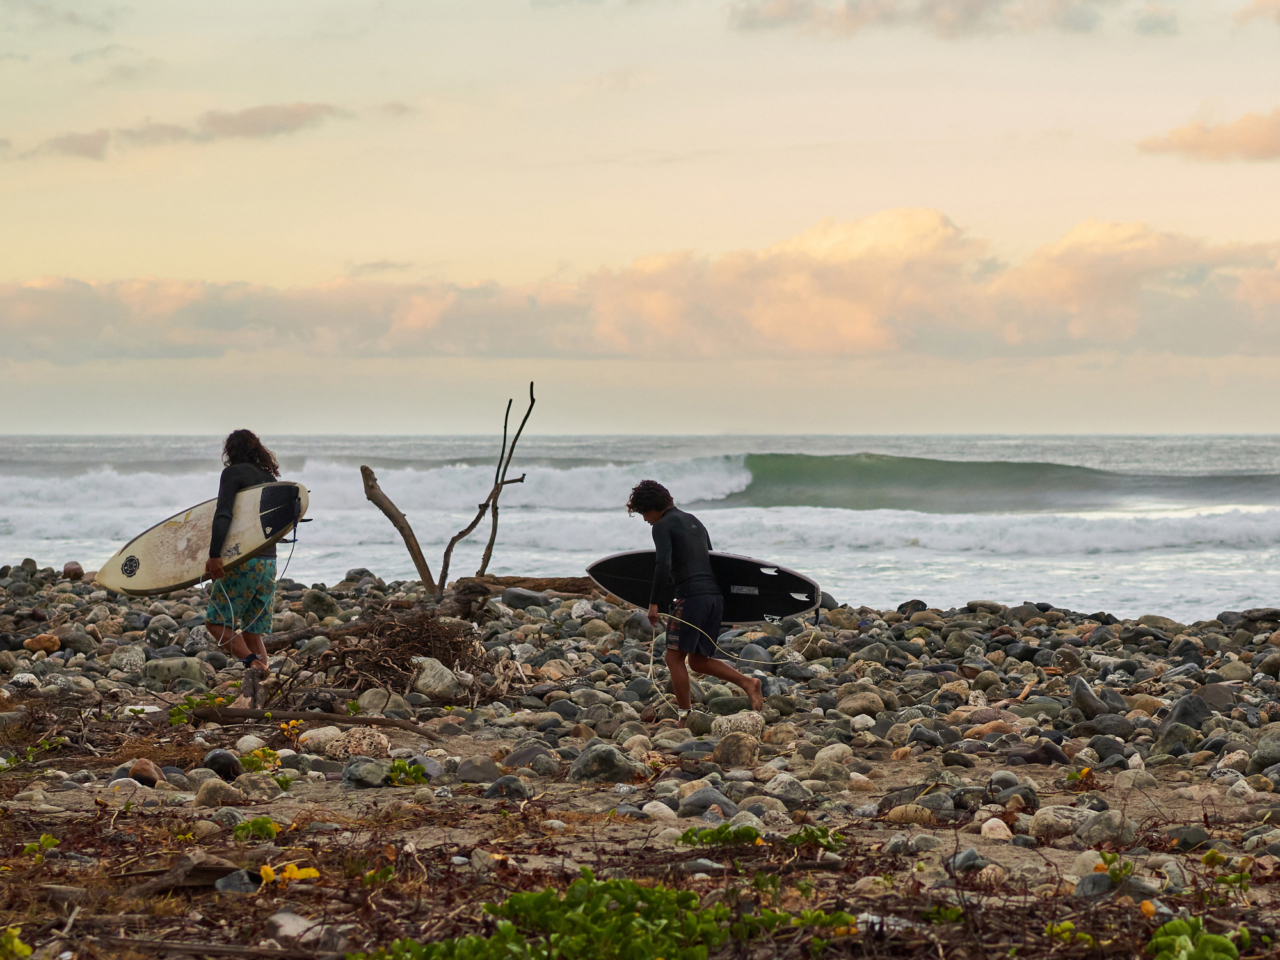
[[241, 600], [682, 554]]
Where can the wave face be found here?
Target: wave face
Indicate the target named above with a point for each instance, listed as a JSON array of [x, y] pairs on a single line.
[[868, 481]]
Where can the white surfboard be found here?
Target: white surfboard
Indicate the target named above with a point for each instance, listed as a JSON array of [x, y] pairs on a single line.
[[172, 554]]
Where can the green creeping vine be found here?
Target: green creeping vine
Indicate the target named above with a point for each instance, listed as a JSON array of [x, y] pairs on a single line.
[[608, 920], [402, 772], [11, 945], [1187, 940], [259, 828], [817, 837], [723, 835], [30, 753], [36, 850], [181, 713]]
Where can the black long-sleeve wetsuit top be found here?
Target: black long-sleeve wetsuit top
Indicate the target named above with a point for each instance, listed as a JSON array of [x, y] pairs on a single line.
[[234, 479], [683, 547]]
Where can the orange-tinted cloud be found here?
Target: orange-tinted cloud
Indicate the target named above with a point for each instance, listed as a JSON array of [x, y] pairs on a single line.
[[1260, 10], [902, 282], [1254, 136], [838, 287]]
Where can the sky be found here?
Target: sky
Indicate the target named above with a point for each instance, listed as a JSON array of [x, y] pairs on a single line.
[[675, 216]]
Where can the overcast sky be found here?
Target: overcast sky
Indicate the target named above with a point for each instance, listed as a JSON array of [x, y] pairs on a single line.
[[686, 216]]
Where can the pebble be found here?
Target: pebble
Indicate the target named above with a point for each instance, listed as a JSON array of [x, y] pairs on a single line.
[[359, 742], [242, 881], [996, 829], [216, 793]]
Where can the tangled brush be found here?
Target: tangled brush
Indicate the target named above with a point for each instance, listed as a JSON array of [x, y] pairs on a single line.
[[380, 653]]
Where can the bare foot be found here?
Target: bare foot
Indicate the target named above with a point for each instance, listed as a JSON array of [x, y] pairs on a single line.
[[755, 693]]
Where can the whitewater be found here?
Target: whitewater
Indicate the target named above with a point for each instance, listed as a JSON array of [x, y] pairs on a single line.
[[1183, 526]]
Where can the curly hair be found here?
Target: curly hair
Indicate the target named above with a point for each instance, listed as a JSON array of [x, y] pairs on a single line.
[[649, 495], [243, 446]]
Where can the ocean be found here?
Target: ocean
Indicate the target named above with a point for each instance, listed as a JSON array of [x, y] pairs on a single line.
[[1185, 526]]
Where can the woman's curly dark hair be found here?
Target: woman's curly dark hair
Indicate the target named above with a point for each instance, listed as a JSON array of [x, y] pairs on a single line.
[[243, 446], [649, 495]]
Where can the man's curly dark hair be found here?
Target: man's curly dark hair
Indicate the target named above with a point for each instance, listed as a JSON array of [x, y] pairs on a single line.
[[649, 495], [243, 446]]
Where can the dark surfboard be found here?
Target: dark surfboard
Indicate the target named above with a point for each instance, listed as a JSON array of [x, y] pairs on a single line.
[[753, 589]]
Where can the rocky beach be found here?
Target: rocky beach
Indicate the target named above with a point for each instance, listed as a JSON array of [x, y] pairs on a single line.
[[934, 779]]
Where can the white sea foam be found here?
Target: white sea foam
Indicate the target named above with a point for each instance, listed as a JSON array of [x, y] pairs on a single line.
[[599, 487]]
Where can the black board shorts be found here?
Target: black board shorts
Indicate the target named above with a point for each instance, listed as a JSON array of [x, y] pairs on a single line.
[[698, 624]]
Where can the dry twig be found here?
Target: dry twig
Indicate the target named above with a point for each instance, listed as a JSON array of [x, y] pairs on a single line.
[[490, 502]]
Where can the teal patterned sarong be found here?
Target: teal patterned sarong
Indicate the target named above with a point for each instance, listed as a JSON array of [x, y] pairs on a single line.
[[243, 599]]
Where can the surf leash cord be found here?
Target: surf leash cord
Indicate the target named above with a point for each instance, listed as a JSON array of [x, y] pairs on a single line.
[[681, 713]]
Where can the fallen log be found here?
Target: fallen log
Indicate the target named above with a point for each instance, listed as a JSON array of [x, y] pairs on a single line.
[[275, 642], [220, 714], [209, 949], [175, 876]]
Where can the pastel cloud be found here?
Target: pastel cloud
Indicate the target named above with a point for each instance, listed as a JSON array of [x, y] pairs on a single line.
[[380, 266], [91, 146], [255, 123], [902, 282], [1156, 20], [1255, 136], [1260, 10], [17, 14], [272, 120], [948, 18]]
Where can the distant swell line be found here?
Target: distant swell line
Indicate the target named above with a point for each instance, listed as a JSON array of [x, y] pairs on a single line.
[[877, 482]]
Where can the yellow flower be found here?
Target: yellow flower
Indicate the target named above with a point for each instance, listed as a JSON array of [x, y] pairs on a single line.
[[1099, 868], [268, 875], [1148, 908], [760, 842], [291, 872]]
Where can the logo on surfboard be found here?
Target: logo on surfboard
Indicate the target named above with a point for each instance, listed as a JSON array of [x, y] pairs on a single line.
[[130, 565]]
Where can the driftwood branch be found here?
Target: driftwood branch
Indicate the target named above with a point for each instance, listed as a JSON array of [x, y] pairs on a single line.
[[171, 878], [497, 485], [490, 504], [398, 520], [275, 642], [220, 714], [460, 535], [500, 479], [209, 949]]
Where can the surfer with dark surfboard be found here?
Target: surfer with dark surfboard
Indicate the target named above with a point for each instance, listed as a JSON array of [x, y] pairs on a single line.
[[240, 601], [683, 545]]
